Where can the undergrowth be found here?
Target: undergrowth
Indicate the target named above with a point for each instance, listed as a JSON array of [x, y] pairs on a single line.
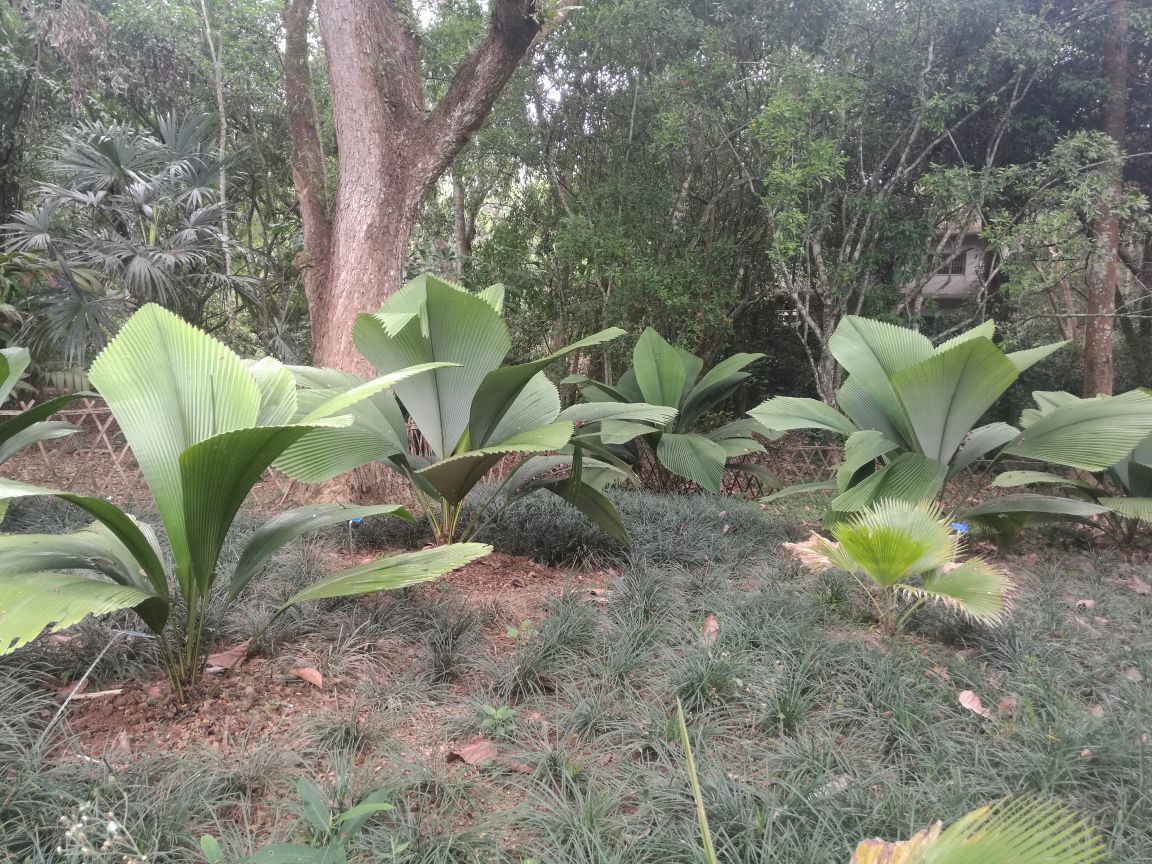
[[811, 731]]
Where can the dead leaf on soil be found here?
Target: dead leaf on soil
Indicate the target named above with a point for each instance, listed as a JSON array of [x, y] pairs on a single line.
[[312, 676], [1134, 675], [972, 702], [475, 753], [939, 672], [1085, 604], [230, 657], [1096, 710], [1007, 706], [709, 630]]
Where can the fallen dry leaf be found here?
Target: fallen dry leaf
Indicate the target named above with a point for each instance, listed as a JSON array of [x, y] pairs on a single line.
[[1085, 604], [972, 702], [230, 657], [474, 753], [1134, 675], [709, 630], [312, 676], [1007, 706], [940, 672], [810, 552], [1096, 710]]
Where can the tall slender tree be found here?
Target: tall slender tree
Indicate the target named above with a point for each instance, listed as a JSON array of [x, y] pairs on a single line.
[[1100, 307]]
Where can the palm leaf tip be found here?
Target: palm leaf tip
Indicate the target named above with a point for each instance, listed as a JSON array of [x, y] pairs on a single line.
[[811, 553], [1021, 831], [975, 588]]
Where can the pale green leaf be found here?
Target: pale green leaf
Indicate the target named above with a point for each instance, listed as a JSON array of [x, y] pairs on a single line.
[[1092, 434], [594, 412], [396, 571], [944, 396], [272, 536], [982, 441], [13, 362], [717, 384], [1022, 831], [694, 458], [862, 448], [1025, 360], [896, 539], [31, 603], [455, 477], [217, 474], [500, 389], [622, 431], [975, 589], [871, 352], [800, 489], [49, 430], [908, 477], [171, 386], [782, 413], [1134, 508], [1031, 478], [658, 369], [432, 321]]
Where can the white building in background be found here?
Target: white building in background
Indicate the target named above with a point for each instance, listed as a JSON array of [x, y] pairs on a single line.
[[957, 275]]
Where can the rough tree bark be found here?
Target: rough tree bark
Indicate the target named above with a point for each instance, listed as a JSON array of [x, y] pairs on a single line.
[[1100, 308], [391, 147]]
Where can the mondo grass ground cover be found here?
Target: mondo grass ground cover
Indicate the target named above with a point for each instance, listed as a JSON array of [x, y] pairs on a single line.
[[523, 710]]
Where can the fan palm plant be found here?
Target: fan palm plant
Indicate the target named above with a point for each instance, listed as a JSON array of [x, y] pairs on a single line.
[[203, 426], [1123, 490], [908, 414], [1009, 831], [130, 218], [662, 374], [908, 551], [468, 418]]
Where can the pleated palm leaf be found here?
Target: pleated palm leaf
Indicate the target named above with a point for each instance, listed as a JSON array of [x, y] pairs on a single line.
[[663, 374], [31, 426], [1122, 491], [203, 426], [468, 418], [1010, 831], [908, 551], [909, 411]]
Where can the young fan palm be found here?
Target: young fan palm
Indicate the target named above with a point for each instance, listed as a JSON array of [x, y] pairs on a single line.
[[908, 550], [203, 426], [468, 418], [908, 412], [682, 446]]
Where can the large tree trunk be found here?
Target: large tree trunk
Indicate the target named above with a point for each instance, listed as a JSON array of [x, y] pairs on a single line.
[[1100, 307], [391, 148]]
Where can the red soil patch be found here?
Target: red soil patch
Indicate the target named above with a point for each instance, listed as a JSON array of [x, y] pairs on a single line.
[[263, 700]]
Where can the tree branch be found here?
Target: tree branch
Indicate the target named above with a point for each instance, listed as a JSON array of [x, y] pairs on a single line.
[[478, 81]]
